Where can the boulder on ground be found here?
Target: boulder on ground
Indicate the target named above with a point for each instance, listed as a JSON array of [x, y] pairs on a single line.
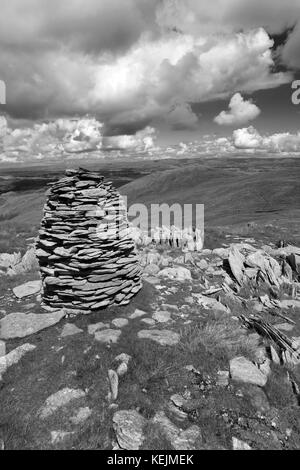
[[243, 370]]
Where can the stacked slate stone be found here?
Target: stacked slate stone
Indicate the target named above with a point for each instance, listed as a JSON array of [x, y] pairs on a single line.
[[87, 259]]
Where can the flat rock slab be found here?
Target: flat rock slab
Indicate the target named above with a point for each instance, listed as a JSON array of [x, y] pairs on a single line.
[[120, 322], [70, 330], [179, 274], [162, 317], [236, 262], [2, 348], [20, 325], [243, 370], [14, 357], [211, 303], [96, 327], [129, 426], [27, 289], [81, 416], [285, 327], [137, 314], [180, 440], [290, 303], [59, 399], [108, 336], [148, 321], [152, 280], [162, 337], [239, 445]]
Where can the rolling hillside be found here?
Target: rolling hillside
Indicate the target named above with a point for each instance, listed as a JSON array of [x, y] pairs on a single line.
[[265, 192]]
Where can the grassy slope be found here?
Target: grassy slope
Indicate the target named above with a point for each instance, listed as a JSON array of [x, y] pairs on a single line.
[[234, 191], [231, 195]]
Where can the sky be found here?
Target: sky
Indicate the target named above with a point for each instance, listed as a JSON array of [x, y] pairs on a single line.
[[119, 75]]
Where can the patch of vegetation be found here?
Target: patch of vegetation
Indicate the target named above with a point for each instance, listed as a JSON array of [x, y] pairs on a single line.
[[279, 389], [222, 337]]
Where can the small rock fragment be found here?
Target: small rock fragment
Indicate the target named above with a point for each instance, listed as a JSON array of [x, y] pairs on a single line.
[[81, 416], [114, 384], [14, 357], [129, 426], [70, 329], [27, 289], [122, 369], [2, 348], [137, 314], [162, 337], [59, 436], [123, 358], [239, 445], [243, 370], [97, 326], [59, 399], [223, 378], [161, 317], [148, 321], [108, 336], [120, 322]]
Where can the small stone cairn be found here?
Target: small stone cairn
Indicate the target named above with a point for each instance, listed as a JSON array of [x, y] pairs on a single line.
[[87, 258]]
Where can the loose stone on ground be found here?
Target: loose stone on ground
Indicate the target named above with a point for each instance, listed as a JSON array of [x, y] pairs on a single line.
[[162, 337], [58, 400]]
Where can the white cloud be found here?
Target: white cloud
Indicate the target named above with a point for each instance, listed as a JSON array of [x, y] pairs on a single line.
[[250, 138], [181, 116], [228, 16], [63, 138], [223, 16], [62, 135], [142, 141], [3, 126], [141, 83], [240, 112]]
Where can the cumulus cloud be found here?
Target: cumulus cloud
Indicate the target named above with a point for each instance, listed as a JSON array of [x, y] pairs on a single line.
[[250, 139], [133, 61], [62, 135], [3, 126], [143, 141], [240, 112], [223, 16], [229, 16], [63, 138], [181, 117]]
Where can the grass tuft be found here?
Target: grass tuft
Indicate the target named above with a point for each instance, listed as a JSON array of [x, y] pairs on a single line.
[[222, 336]]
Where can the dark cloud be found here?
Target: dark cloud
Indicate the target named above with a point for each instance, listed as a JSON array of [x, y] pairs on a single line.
[[129, 62]]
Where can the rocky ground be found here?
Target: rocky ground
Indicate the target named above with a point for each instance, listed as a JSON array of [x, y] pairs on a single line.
[[204, 357]]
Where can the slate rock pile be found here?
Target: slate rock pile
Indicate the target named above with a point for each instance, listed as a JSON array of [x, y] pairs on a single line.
[[87, 258]]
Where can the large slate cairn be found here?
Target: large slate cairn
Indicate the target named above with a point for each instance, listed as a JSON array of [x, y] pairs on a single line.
[[87, 259]]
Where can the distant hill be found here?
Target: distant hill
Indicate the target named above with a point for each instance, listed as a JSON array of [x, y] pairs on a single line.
[[233, 190], [231, 195]]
